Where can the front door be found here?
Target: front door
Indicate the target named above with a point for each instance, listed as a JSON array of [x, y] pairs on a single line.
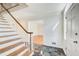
[[72, 33]]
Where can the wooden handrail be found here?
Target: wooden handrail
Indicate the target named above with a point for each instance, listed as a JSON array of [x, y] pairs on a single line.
[[19, 25]]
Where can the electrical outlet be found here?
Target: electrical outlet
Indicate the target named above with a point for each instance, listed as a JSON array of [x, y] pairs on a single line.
[[54, 43]]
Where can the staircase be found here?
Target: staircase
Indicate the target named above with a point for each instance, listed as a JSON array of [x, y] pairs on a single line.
[[11, 43]]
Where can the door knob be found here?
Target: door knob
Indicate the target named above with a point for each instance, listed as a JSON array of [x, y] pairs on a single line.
[[75, 42], [76, 33]]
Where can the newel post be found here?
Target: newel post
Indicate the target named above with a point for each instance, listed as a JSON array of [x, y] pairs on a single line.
[[31, 41]]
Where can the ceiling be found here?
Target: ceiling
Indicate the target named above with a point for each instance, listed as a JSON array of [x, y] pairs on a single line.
[[38, 10]]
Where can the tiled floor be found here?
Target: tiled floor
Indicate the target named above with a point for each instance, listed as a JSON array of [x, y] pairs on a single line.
[[49, 51]]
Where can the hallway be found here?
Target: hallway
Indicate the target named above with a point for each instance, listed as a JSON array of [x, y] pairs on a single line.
[[39, 29]]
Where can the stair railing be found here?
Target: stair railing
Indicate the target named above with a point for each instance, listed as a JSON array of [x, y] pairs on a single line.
[[30, 33]]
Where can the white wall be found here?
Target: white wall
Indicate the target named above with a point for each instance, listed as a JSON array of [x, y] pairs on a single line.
[[36, 27], [53, 30]]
